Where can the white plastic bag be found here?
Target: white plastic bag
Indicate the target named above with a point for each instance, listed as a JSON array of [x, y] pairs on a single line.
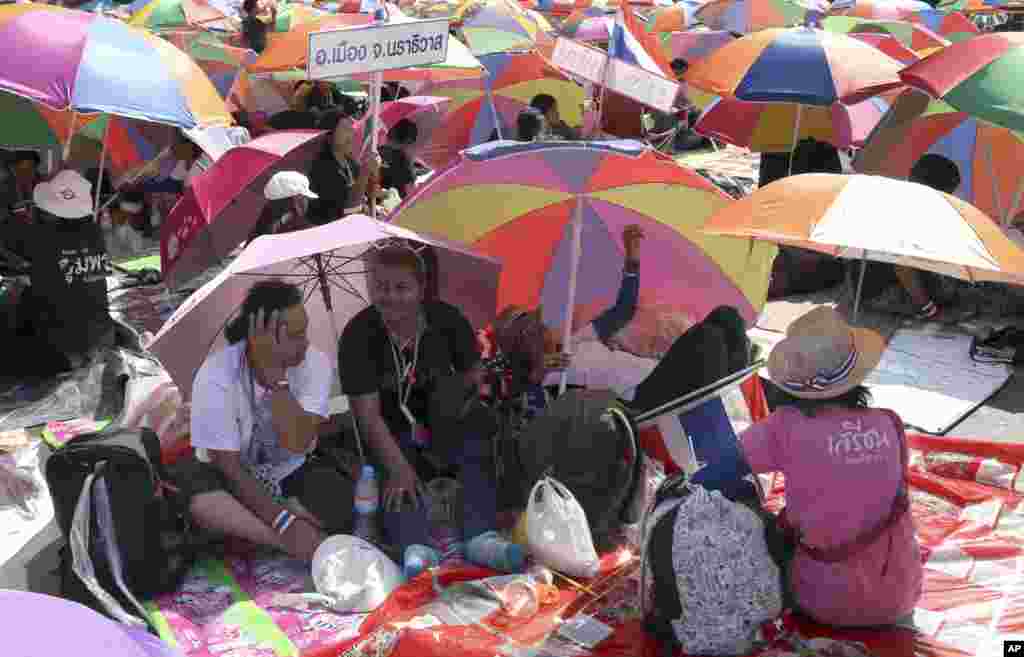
[[557, 530]]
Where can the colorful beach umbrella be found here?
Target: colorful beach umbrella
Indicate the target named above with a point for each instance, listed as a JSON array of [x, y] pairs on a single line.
[[953, 26], [328, 264], [896, 10], [678, 17], [222, 205], [67, 59], [916, 37], [797, 65], [747, 16], [987, 156], [588, 25], [221, 62], [552, 192], [490, 26], [879, 219], [427, 112], [481, 107], [889, 45], [980, 76], [768, 127], [695, 45]]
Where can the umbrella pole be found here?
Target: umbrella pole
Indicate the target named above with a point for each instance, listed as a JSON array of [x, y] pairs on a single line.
[[860, 284], [796, 137], [378, 81], [577, 238], [99, 176], [71, 133]]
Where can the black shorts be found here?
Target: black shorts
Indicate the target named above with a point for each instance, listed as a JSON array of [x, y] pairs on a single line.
[[322, 485]]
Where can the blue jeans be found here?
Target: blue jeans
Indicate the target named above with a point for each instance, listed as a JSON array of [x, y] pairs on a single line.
[[475, 457], [716, 446]]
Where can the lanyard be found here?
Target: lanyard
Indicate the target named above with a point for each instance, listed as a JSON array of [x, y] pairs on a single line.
[[405, 373]]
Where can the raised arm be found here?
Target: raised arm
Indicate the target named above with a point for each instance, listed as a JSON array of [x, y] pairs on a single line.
[[615, 318]]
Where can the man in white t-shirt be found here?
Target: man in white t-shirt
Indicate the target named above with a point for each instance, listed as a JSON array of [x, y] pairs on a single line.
[[257, 405]]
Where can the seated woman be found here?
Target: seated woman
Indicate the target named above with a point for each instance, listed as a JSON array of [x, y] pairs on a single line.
[[397, 171], [854, 558], [338, 180], [393, 358], [287, 194]]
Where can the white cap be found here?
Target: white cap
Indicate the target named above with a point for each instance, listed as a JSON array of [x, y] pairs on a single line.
[[286, 184], [68, 195], [354, 574]]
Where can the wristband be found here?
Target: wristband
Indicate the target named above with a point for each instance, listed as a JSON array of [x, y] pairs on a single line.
[[287, 523], [283, 519]]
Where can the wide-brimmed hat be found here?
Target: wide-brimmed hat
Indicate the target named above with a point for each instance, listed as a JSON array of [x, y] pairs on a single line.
[[286, 184], [68, 195], [823, 357]]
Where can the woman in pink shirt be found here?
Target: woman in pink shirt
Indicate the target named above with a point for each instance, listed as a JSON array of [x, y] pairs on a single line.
[[856, 560]]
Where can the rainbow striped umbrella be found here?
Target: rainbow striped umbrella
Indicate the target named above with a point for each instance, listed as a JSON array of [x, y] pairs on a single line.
[[979, 76], [678, 17], [797, 65], [896, 10], [988, 156], [953, 26], [481, 106], [747, 16], [490, 26], [888, 44], [221, 62], [552, 192], [695, 45], [768, 127], [589, 25], [917, 38], [67, 59]]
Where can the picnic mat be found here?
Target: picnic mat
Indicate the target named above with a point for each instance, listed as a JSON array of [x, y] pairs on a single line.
[[968, 502]]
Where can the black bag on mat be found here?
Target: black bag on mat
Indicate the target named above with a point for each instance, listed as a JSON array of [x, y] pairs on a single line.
[[129, 527]]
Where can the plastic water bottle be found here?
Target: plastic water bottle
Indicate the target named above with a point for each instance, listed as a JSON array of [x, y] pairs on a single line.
[[367, 505], [492, 551], [418, 558]]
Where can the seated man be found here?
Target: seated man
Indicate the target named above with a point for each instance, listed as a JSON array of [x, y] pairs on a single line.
[[257, 405], [556, 127], [66, 305], [397, 171]]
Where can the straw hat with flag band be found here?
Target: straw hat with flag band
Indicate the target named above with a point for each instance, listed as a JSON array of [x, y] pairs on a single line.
[[823, 357]]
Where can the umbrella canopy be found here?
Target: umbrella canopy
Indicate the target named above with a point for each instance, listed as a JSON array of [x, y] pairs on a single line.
[[953, 26], [889, 45], [69, 59], [987, 156], [916, 37], [490, 26], [566, 7], [695, 45], [768, 127], [427, 112], [547, 187], [173, 15], [221, 62], [223, 204], [589, 25], [678, 17], [796, 65], [876, 218], [748, 16], [896, 10], [327, 263], [479, 107], [980, 76]]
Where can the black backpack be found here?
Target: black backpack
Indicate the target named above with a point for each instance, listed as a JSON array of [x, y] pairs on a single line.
[[586, 440], [150, 532]]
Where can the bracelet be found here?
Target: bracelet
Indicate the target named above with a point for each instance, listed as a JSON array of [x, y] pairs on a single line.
[[287, 524], [283, 519]]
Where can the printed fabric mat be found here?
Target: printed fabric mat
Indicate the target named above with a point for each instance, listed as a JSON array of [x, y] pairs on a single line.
[[967, 500]]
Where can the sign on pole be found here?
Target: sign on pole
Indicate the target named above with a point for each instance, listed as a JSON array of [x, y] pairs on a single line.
[[577, 59], [345, 52], [622, 78]]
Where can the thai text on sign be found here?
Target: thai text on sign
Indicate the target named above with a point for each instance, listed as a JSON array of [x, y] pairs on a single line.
[[344, 52]]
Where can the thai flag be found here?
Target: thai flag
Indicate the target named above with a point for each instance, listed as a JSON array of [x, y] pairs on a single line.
[[634, 45]]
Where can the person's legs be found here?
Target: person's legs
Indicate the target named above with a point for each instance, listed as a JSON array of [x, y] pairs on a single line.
[[910, 280]]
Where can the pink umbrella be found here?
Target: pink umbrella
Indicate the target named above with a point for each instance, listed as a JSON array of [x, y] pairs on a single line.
[[427, 112], [888, 44], [222, 205], [327, 263]]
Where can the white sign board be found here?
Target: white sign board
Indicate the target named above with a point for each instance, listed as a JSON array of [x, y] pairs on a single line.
[[577, 59], [344, 52], [636, 83], [622, 78]]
